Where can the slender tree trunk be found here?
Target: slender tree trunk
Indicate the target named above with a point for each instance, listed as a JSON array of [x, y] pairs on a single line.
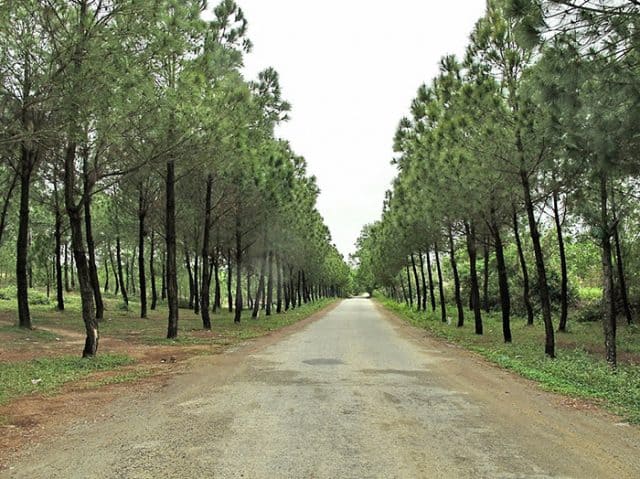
[[525, 272], [260, 290], [409, 287], [163, 281], [443, 304], [217, 295], [106, 276], [123, 287], [229, 278], [608, 296], [475, 292], [22, 243], [503, 281], [187, 262], [238, 311], [543, 288], [115, 271], [249, 297], [278, 285], [58, 265], [269, 285], [424, 283], [6, 203], [204, 295], [299, 288], [196, 282], [456, 279], [620, 264], [77, 242], [404, 291], [72, 268], [171, 249], [564, 299], [142, 213], [415, 277], [152, 272], [431, 288], [485, 279], [91, 246], [67, 287]]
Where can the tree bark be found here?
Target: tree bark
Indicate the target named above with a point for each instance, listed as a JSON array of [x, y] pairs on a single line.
[[22, 243], [217, 295], [91, 245], [424, 283], [485, 278], [204, 295], [77, 242], [443, 304], [525, 272], [564, 292], [152, 272], [269, 285], [58, 263], [549, 346], [163, 281], [475, 292], [415, 277], [142, 213], [260, 290], [229, 278], [115, 271], [196, 282], [238, 309], [171, 248], [67, 287], [608, 296], [278, 285], [456, 279], [620, 264], [503, 281], [123, 287], [409, 288], [187, 262], [431, 288]]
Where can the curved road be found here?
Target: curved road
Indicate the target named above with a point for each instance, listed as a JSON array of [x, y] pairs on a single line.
[[355, 394]]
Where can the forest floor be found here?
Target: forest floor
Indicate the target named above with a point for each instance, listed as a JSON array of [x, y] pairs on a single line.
[[579, 370], [43, 380], [353, 393]]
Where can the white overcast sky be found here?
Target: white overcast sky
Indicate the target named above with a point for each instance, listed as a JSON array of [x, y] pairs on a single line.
[[350, 68]]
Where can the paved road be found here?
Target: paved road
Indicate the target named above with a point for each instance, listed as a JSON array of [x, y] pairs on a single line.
[[353, 395]]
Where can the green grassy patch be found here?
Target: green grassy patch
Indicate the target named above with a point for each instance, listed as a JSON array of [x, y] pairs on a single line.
[[579, 369], [14, 333], [49, 374]]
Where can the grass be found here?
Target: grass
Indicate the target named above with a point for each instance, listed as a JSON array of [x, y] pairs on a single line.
[[47, 375], [54, 367], [578, 371]]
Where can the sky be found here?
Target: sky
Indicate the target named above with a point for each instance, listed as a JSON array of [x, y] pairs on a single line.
[[350, 69]]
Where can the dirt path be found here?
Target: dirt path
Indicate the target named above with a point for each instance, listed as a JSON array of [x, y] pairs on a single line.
[[355, 394]]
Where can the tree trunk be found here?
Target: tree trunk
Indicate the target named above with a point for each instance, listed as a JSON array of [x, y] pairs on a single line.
[[269, 295], [106, 276], [91, 245], [163, 285], [187, 262], [260, 290], [485, 279], [238, 311], [217, 295], [549, 347], [278, 285], [58, 263], [123, 287], [443, 304], [204, 295], [456, 280], [620, 264], [404, 291], [249, 297], [431, 288], [77, 242], [196, 282], [475, 292], [415, 277], [152, 272], [171, 248], [142, 213], [424, 283], [67, 287], [409, 287], [525, 273], [564, 300], [6, 203], [503, 281], [229, 278], [115, 271], [22, 243], [608, 296]]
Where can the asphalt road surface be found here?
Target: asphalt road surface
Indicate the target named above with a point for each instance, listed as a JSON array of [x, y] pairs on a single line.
[[355, 394]]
